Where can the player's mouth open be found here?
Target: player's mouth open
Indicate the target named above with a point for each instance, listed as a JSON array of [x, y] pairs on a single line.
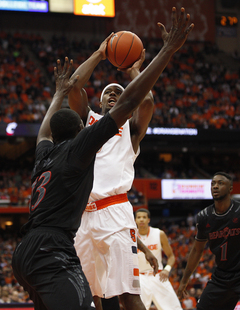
[[112, 102]]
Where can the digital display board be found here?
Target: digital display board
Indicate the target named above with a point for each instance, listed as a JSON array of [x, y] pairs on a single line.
[[19, 130], [103, 8], [227, 21], [40, 6], [186, 189], [100, 8]]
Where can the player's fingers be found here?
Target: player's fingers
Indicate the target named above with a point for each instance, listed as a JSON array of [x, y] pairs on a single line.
[[55, 73], [143, 54], [181, 18], [189, 29], [174, 17], [186, 21], [163, 29], [59, 67], [109, 37], [69, 69], [65, 66]]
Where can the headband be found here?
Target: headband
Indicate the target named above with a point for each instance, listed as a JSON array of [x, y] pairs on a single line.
[[109, 85]]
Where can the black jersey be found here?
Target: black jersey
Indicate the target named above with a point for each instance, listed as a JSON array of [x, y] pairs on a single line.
[[62, 178], [223, 234]]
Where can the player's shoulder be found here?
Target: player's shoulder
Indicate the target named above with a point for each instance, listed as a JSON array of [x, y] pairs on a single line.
[[236, 202], [236, 205], [206, 212], [155, 230]]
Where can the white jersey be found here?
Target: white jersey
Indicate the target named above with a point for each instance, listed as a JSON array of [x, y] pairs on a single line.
[[154, 290], [116, 155], [153, 242], [104, 235]]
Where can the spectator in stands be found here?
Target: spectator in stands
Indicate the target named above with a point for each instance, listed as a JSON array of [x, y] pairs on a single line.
[[4, 298]]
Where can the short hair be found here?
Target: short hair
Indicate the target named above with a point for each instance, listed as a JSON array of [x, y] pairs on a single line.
[[143, 210], [64, 124], [226, 175]]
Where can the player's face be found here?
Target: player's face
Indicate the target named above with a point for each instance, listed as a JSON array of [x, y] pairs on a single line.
[[220, 187], [110, 98], [142, 220]]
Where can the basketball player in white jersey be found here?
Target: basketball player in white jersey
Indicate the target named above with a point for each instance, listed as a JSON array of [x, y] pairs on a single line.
[[158, 288], [106, 240]]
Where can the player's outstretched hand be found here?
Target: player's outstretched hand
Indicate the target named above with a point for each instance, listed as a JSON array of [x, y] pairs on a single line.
[[103, 46], [179, 32], [63, 84]]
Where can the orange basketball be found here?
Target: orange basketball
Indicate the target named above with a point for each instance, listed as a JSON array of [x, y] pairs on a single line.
[[123, 49]]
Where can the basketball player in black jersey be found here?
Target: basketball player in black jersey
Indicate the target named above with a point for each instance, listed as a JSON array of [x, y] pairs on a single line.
[[45, 261], [219, 225]]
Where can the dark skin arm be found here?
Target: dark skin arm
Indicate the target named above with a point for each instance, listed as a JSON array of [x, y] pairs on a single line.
[[63, 87], [148, 255], [142, 116], [192, 263], [77, 97]]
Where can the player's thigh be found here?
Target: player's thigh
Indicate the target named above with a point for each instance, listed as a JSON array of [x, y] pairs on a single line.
[[67, 288], [217, 297], [122, 252], [122, 264]]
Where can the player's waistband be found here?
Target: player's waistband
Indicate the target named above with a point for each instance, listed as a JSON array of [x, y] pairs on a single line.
[[149, 273], [106, 202]]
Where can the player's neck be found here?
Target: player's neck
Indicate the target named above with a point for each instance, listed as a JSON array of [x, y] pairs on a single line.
[[222, 206], [143, 231]]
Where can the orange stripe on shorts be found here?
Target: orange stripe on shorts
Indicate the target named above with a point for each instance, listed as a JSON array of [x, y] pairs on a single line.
[[136, 272]]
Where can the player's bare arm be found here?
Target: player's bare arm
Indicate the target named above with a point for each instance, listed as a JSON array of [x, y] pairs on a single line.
[[192, 263], [142, 116], [63, 87], [148, 255], [137, 90], [164, 274], [77, 98]]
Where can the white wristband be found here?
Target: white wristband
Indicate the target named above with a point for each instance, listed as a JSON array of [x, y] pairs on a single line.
[[168, 268]]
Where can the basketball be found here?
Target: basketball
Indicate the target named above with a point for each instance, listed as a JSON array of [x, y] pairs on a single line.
[[123, 49]]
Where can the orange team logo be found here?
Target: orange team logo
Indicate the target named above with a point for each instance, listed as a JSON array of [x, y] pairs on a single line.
[[150, 247]]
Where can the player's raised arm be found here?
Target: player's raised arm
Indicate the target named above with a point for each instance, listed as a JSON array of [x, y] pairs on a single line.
[[136, 91], [77, 98], [63, 87]]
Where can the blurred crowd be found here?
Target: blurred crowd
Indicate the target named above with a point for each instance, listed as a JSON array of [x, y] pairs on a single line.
[[193, 91], [15, 187]]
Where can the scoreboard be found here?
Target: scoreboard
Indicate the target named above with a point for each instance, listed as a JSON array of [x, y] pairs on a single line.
[[101, 8]]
